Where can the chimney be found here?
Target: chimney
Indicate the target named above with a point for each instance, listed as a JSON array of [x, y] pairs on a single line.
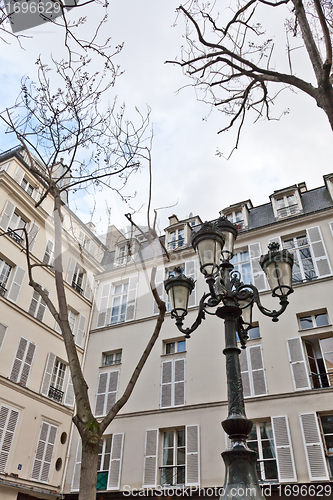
[[173, 219], [302, 187]]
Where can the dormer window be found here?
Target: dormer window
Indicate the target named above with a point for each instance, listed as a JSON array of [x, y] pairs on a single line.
[[237, 218], [176, 239], [287, 202], [27, 187], [287, 205], [122, 254]]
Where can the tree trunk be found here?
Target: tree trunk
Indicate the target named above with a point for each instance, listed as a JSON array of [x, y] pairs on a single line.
[[88, 478], [325, 101]]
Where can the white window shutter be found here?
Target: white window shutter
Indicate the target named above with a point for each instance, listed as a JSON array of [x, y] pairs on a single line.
[[42, 307], [113, 380], [104, 311], [69, 395], [18, 175], [150, 458], [18, 360], [101, 394], [192, 456], [80, 330], [319, 253], [284, 452], [115, 461], [314, 450], [257, 370], [44, 452], [77, 468], [27, 363], [190, 272], [8, 421], [166, 384], [47, 374], [179, 384], [259, 279], [5, 166], [245, 372], [34, 303], [297, 364], [3, 330], [32, 235], [89, 286], [16, 284], [49, 253], [6, 215], [70, 272], [131, 297], [159, 288]]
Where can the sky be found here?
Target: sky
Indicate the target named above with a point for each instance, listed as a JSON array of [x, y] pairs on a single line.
[[188, 176]]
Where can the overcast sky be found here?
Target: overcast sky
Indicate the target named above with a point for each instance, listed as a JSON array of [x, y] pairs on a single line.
[[186, 170]]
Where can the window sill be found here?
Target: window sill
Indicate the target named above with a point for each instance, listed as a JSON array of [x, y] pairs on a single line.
[[174, 354], [316, 329]]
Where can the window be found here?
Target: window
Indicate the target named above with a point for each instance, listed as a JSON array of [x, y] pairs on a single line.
[[123, 255], [313, 321], [72, 319], [112, 358], [287, 205], [173, 458], [44, 452], [57, 381], [77, 280], [17, 222], [242, 264], [5, 270], [27, 187], [319, 354], [8, 421], [261, 440], [173, 383], [327, 431], [176, 239], [237, 218], [106, 395], [119, 304], [179, 458], [253, 333], [176, 346], [53, 381], [48, 258], [104, 453], [37, 305], [303, 268], [23, 361]]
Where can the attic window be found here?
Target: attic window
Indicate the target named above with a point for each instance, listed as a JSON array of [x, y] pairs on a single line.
[[237, 218], [287, 205], [176, 239]]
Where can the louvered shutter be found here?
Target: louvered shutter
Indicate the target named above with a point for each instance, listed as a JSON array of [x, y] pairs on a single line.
[[5, 166], [8, 421], [259, 279], [70, 272], [298, 365], [48, 254], [77, 468], [101, 394], [150, 458], [42, 307], [192, 456], [16, 284], [89, 286], [29, 356], [314, 450], [6, 215], [44, 452], [18, 361], [47, 374], [319, 253], [34, 303], [80, 330], [3, 330], [166, 384], [284, 452], [257, 370], [69, 395], [112, 389], [32, 235], [179, 382], [115, 461], [159, 288], [245, 374], [104, 311], [131, 298], [18, 175], [190, 272]]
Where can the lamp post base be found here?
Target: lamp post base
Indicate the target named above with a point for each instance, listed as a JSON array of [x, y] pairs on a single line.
[[241, 481]]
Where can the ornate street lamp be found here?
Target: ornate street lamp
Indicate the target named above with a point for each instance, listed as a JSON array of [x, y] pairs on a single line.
[[232, 301]]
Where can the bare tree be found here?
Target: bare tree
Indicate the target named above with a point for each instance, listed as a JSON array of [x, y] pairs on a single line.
[[59, 125], [231, 60]]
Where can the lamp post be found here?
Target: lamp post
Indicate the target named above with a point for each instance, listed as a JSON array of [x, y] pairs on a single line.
[[231, 300]]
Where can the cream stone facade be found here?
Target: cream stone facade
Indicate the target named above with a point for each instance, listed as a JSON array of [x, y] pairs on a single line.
[[168, 438], [36, 394]]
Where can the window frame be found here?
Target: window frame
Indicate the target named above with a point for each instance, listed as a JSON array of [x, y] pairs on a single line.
[[116, 359], [176, 238], [260, 450], [176, 342], [181, 467], [3, 282], [122, 306], [296, 251]]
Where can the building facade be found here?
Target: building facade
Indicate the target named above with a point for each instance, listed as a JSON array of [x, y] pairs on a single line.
[[168, 436], [36, 394]]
